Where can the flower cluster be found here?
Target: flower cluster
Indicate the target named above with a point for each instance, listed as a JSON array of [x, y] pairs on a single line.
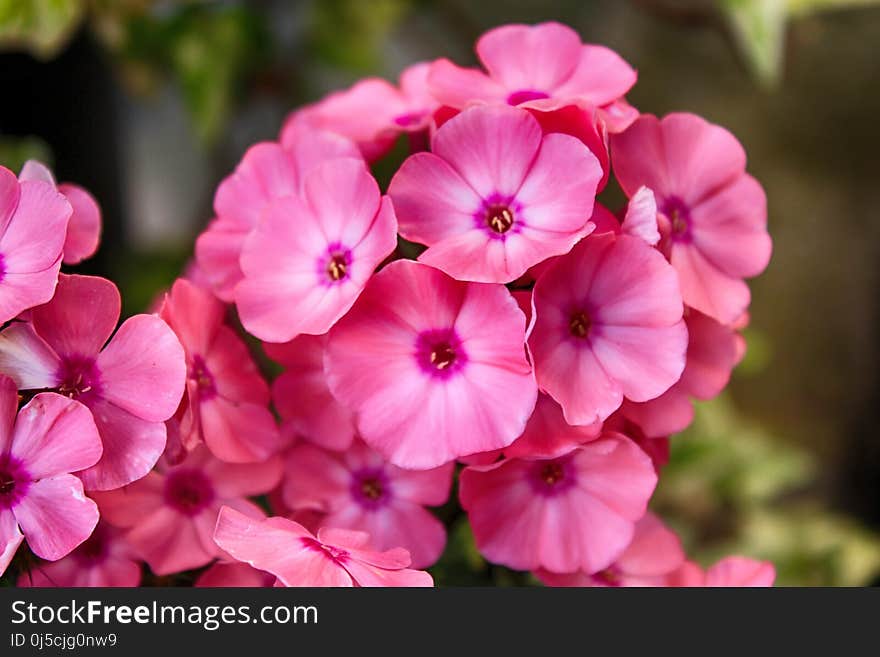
[[484, 318]]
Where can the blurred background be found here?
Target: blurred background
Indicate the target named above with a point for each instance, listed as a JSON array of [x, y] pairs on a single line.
[[150, 104]]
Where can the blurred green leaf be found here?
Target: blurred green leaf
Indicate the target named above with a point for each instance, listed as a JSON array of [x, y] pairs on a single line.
[[350, 33], [759, 29], [39, 26], [804, 7], [15, 151]]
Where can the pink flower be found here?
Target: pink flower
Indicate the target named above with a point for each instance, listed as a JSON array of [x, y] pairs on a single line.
[[495, 196], [548, 435], [234, 574], [713, 351], [104, 559], [654, 553], [33, 222], [337, 557], [84, 227], [40, 499], [543, 67], [131, 386], [169, 515], [433, 368], [372, 112], [302, 276], [729, 572], [226, 402], [307, 407], [572, 513], [608, 325], [267, 171], [358, 489], [713, 214]]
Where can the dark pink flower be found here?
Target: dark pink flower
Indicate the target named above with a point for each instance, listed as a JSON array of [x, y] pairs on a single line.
[[226, 402], [337, 557], [729, 572], [33, 222], [234, 574], [433, 368], [132, 384], [40, 500], [357, 489], [495, 196], [713, 214]]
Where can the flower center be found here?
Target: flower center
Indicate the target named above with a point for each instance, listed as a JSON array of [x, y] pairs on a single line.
[[579, 325], [499, 218], [440, 352], [679, 216], [2, 268], [332, 553], [525, 95], [335, 265], [370, 488], [78, 377], [14, 482], [336, 268], [551, 477], [188, 491], [199, 372], [552, 474]]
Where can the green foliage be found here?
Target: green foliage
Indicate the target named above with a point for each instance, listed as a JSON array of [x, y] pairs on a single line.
[[15, 151], [40, 26]]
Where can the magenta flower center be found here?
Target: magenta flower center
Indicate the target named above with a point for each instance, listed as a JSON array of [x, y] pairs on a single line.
[[370, 488], [79, 378], [335, 265], [14, 482], [499, 218], [199, 373], [333, 553], [525, 95], [188, 491], [440, 353], [679, 216], [579, 325], [552, 477]]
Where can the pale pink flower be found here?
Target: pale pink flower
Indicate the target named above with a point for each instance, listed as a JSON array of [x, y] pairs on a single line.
[[234, 574], [132, 384], [301, 276], [608, 325], [267, 171], [358, 489], [372, 113], [576, 512], [541, 67], [337, 557], [433, 368], [33, 221], [226, 405], [40, 500], [729, 572], [84, 228], [307, 408], [495, 196], [104, 559], [654, 552], [169, 515], [713, 214]]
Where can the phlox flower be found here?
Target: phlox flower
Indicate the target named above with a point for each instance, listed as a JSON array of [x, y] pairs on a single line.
[[132, 384], [542, 67], [433, 368], [33, 222], [169, 515], [654, 552], [268, 171], [84, 228], [310, 257], [713, 214], [226, 400], [336, 557], [40, 500], [547, 434], [307, 408], [575, 512], [234, 574], [104, 559], [608, 325], [372, 113], [729, 572], [357, 489], [495, 196]]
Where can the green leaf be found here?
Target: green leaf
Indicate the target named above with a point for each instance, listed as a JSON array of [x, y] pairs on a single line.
[[759, 29], [42, 27]]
